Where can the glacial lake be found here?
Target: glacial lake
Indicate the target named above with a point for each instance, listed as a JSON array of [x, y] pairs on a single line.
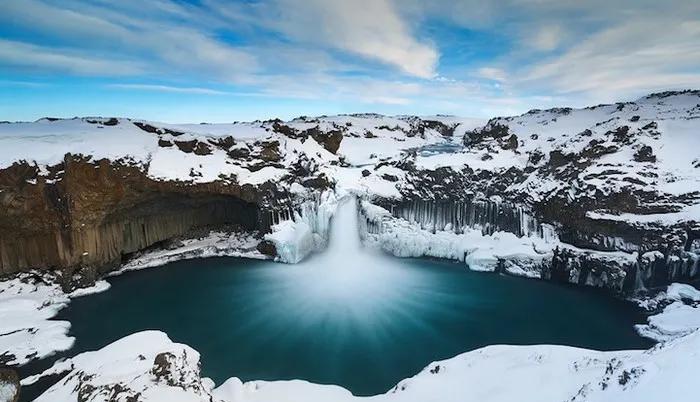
[[363, 329]]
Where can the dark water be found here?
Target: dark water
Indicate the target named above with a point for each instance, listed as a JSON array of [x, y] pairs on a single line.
[[363, 330]]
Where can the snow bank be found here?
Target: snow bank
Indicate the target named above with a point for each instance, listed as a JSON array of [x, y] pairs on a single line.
[[146, 366], [676, 320], [27, 305]]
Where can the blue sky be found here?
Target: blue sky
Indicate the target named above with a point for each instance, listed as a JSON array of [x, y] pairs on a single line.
[[221, 61]]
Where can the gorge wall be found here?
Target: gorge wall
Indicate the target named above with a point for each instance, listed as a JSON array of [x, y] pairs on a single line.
[[83, 217], [605, 196]]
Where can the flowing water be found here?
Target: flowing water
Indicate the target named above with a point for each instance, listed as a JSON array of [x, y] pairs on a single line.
[[347, 316]]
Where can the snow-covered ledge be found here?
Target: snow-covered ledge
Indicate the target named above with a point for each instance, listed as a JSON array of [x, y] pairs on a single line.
[[150, 365]]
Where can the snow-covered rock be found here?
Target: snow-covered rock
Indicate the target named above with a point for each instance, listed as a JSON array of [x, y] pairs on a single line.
[[213, 244], [535, 255]]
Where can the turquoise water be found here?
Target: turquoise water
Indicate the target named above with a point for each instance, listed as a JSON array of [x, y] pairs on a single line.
[[364, 329]]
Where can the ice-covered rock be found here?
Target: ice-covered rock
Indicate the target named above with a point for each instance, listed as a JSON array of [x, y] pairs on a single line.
[[534, 253], [305, 230]]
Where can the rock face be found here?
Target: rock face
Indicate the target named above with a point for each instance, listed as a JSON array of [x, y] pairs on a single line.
[[608, 179], [99, 212]]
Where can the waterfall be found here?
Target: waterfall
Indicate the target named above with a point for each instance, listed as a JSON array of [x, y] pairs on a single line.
[[349, 273], [344, 238]]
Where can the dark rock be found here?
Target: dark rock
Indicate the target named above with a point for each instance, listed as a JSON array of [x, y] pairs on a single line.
[[651, 126], [442, 128], [330, 140], [493, 129], [284, 129], [156, 130], [366, 173], [164, 143], [511, 143], [267, 247], [319, 182], [238, 153], [194, 146], [270, 151], [224, 143], [535, 157], [645, 154], [389, 177], [162, 368], [100, 211], [621, 134]]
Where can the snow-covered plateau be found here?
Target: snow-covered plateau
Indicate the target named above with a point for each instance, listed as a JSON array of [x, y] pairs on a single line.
[[605, 196]]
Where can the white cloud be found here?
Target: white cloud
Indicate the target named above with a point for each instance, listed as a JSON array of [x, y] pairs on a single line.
[[30, 56], [373, 29], [169, 88], [492, 73], [95, 31], [547, 38], [629, 58]]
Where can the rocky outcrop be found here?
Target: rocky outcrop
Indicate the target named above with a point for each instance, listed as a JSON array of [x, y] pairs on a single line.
[[85, 216]]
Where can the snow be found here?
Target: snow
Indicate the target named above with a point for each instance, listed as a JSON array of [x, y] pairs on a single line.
[[8, 391], [307, 231], [521, 256], [687, 213], [293, 240], [680, 291], [214, 244], [677, 319], [661, 373], [668, 126], [26, 308], [497, 373], [129, 360]]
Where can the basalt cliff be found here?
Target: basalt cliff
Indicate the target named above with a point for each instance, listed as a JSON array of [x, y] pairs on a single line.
[[605, 196]]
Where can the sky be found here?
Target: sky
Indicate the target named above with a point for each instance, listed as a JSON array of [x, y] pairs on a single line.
[[224, 61]]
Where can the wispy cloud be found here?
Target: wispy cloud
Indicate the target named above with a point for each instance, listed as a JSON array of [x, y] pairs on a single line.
[[32, 56], [168, 88]]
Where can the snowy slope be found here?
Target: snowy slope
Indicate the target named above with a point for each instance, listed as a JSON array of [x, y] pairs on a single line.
[[366, 139]]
